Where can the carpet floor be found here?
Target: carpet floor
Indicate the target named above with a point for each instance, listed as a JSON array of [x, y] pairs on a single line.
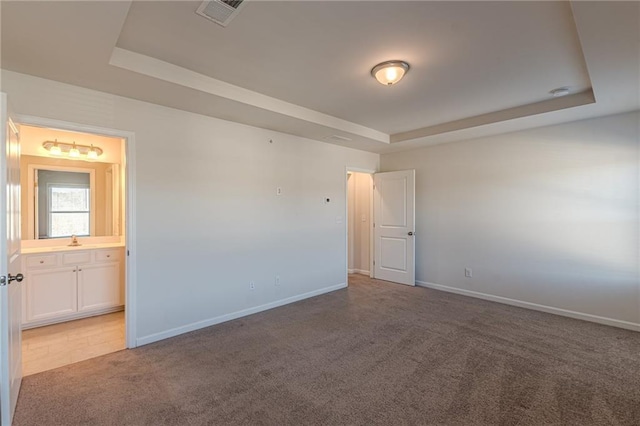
[[375, 353]]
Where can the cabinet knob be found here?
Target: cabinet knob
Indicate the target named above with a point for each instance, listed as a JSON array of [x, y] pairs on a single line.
[[42, 261], [108, 255]]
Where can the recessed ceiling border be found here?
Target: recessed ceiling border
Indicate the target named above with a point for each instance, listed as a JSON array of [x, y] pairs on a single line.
[[171, 73]]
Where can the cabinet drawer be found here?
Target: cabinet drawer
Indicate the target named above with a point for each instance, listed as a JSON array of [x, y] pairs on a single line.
[[42, 261], [108, 255], [76, 258]]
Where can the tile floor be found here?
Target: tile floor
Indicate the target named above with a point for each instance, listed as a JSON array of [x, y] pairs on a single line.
[[53, 346]]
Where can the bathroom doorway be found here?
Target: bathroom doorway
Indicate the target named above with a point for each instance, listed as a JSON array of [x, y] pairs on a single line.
[[74, 212]]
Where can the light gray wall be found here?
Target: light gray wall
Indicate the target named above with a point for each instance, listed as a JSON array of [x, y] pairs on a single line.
[[546, 216], [208, 218]]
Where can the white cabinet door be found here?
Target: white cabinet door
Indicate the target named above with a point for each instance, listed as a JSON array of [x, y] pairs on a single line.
[[98, 286], [51, 293]]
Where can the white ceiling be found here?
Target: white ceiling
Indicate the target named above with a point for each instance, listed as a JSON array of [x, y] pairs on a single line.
[[478, 68]]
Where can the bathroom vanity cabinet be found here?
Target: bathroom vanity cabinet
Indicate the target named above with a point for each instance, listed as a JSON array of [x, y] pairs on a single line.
[[67, 285]]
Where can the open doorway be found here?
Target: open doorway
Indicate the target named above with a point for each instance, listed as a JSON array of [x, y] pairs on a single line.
[[359, 223], [73, 227], [380, 230]]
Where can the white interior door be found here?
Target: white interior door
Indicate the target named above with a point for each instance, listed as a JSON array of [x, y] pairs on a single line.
[[10, 277], [394, 196]]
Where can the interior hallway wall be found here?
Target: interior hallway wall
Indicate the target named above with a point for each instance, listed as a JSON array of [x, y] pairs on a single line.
[[360, 188], [351, 220]]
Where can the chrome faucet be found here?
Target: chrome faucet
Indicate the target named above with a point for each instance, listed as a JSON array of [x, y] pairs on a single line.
[[74, 241]]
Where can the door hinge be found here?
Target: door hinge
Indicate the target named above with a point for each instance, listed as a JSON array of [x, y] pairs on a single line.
[[127, 252], [3, 281], [374, 263]]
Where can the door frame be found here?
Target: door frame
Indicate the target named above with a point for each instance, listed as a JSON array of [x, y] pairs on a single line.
[[130, 309], [346, 215]]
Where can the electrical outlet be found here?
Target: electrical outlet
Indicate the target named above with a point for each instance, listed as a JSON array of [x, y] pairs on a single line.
[[252, 285], [277, 280], [468, 272]]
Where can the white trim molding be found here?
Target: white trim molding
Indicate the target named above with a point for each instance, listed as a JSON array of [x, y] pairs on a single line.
[[156, 68], [534, 306], [234, 315]]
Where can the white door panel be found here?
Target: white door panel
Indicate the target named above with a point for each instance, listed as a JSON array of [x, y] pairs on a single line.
[[393, 253], [393, 208], [394, 222], [10, 290]]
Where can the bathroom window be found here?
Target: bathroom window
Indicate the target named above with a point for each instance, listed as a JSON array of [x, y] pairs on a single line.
[[64, 202], [68, 210]]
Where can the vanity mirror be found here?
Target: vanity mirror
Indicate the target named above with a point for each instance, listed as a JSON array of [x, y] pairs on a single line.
[[66, 197]]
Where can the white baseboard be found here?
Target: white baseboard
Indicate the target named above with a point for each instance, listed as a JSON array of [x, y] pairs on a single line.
[[234, 315], [72, 317], [543, 308], [351, 271], [359, 271]]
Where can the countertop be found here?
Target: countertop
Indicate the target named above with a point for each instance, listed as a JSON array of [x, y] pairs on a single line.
[[56, 249]]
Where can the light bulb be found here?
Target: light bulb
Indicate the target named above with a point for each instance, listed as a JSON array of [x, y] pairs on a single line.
[[73, 152], [391, 74], [92, 154], [55, 150]]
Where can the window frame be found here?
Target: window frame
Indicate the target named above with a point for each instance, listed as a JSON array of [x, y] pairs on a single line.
[[50, 211]]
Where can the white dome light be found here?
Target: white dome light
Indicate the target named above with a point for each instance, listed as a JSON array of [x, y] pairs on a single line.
[[390, 72]]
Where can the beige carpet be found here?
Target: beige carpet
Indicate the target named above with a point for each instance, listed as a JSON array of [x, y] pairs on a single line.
[[375, 353]]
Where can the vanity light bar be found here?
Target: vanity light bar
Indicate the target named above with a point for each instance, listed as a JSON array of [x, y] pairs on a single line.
[[57, 148]]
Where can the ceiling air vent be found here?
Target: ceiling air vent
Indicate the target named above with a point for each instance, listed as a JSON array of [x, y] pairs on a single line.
[[220, 11]]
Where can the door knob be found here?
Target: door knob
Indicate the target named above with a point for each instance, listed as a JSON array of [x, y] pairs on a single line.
[[18, 277], [410, 234]]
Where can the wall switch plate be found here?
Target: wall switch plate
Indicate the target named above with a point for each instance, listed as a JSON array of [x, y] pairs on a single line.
[[338, 219], [468, 272], [278, 191], [277, 280], [252, 285]]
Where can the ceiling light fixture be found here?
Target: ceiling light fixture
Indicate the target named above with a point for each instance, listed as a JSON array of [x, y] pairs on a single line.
[[73, 150], [560, 91], [390, 72]]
